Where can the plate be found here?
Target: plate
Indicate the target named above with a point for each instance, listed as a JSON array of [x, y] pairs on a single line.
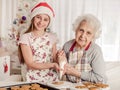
[[60, 84]]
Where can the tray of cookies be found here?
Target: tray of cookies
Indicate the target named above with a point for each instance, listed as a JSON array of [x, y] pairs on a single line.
[[91, 86], [28, 86], [64, 85]]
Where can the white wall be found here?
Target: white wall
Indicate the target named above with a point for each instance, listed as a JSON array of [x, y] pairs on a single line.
[[7, 13], [0, 15]]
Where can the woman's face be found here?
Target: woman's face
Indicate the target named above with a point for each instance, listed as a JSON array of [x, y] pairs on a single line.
[[41, 21], [84, 35]]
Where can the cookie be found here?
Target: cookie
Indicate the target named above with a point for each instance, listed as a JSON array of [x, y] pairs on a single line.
[[80, 87], [94, 88], [57, 83], [101, 85]]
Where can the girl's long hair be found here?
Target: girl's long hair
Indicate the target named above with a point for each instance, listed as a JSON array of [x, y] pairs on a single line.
[[20, 55]]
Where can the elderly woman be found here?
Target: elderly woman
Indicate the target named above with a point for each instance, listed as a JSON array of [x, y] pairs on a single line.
[[84, 57]]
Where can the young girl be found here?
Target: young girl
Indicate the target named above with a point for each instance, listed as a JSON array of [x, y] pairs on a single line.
[[38, 47]]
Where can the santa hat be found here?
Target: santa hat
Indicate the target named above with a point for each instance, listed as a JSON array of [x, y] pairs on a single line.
[[43, 8]]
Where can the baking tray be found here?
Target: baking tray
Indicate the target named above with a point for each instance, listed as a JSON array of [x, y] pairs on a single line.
[[20, 85]]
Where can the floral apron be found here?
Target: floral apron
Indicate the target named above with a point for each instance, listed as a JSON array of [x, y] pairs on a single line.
[[42, 52]]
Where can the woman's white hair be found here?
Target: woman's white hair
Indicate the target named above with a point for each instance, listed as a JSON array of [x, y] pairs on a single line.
[[91, 20]]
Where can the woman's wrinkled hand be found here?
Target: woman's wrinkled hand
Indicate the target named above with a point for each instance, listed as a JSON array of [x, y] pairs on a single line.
[[70, 70], [67, 69]]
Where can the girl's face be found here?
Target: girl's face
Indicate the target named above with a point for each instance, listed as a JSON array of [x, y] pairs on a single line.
[[84, 35], [41, 21]]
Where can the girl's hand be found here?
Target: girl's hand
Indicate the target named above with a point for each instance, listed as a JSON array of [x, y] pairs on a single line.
[[56, 66]]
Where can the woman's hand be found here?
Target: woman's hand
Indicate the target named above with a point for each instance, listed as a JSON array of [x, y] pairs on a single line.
[[70, 70]]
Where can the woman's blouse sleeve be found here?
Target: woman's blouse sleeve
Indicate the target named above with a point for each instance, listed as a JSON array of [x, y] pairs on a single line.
[[97, 74]]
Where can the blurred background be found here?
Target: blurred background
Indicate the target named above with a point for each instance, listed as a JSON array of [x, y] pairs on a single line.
[[66, 11]]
